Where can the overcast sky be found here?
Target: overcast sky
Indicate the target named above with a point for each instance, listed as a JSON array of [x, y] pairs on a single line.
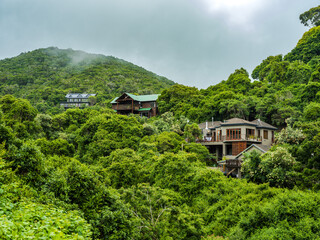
[[192, 42]]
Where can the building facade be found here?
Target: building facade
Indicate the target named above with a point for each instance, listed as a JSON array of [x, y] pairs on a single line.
[[77, 100], [144, 105], [231, 137]]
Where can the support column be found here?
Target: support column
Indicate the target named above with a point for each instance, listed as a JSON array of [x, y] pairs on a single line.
[[224, 153], [217, 152]]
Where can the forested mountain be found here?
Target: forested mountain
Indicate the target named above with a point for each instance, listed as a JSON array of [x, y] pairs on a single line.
[[285, 93], [92, 174], [283, 87], [45, 76]]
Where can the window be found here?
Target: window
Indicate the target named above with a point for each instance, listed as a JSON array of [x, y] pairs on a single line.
[[233, 134], [219, 135], [265, 134], [249, 132]]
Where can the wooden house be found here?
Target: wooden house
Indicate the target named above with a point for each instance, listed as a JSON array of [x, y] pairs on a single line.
[[144, 105]]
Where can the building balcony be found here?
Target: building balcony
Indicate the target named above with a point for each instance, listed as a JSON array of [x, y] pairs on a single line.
[[247, 138], [233, 163], [74, 104], [126, 108], [225, 138]]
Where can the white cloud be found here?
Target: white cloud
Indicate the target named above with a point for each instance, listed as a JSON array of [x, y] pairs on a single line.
[[236, 12], [193, 42], [222, 4]]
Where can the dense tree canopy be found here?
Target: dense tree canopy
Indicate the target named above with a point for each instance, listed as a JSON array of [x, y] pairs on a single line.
[[92, 174], [45, 76], [101, 176]]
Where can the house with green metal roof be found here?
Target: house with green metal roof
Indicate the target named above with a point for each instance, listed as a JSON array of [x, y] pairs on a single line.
[[144, 105]]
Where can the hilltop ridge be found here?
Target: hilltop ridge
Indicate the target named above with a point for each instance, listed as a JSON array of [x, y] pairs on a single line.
[[45, 75]]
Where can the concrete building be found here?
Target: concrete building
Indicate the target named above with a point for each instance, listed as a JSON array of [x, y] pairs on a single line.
[[77, 100], [230, 137]]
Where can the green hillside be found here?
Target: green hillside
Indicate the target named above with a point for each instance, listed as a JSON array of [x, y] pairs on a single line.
[[93, 174], [44, 76], [285, 92], [283, 87]]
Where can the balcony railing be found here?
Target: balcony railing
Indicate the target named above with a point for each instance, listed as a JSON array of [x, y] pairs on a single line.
[[225, 138], [74, 104], [127, 107], [234, 163]]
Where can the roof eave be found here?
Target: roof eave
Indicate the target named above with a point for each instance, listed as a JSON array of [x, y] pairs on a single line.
[[251, 146], [264, 127], [237, 124]]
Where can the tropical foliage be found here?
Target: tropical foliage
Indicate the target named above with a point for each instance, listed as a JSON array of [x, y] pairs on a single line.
[[92, 174], [45, 76], [89, 174]]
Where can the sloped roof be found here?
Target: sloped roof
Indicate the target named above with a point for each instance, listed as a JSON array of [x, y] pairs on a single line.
[[262, 148], [211, 124], [236, 121], [262, 124], [79, 95], [139, 98]]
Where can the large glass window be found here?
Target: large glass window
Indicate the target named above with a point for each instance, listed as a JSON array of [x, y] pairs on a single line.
[[233, 134], [219, 135]]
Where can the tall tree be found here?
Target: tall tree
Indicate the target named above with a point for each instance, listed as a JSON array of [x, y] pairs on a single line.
[[311, 17]]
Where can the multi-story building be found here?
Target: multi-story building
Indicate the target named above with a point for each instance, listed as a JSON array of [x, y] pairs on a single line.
[[145, 105], [231, 137], [77, 100]]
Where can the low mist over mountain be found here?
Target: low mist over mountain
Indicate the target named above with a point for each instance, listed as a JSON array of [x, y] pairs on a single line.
[[44, 76]]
